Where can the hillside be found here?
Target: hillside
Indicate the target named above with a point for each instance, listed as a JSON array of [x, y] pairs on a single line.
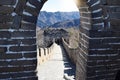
[[67, 24], [50, 18]]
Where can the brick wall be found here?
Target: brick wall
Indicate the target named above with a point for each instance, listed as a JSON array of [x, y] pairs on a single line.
[[18, 55], [99, 51], [71, 52]]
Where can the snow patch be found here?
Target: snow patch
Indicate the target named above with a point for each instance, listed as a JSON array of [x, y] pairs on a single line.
[[15, 4], [98, 10], [26, 13], [95, 3], [13, 14], [28, 4], [11, 30]]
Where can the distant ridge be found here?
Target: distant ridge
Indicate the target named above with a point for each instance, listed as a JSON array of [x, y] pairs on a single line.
[[50, 18], [67, 24]]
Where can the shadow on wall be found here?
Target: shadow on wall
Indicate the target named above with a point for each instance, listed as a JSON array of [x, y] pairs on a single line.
[[70, 68], [118, 75], [58, 41]]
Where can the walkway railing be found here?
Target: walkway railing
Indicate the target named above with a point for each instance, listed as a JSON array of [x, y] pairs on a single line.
[[44, 54]]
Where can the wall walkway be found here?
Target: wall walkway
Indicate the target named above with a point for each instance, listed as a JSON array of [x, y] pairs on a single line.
[[57, 67]]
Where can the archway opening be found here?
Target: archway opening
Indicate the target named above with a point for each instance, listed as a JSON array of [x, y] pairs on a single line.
[[65, 15], [58, 15], [99, 25]]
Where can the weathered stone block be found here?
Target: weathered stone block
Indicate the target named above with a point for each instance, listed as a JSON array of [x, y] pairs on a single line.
[[30, 55], [6, 10], [23, 62], [7, 2], [3, 49], [28, 26], [5, 34], [23, 34], [16, 69], [5, 25], [113, 2], [5, 18], [22, 48]]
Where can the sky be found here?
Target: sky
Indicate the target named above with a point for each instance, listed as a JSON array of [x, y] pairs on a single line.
[[59, 5]]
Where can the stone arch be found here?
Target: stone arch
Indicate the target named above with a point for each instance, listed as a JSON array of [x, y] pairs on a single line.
[[98, 56], [94, 60]]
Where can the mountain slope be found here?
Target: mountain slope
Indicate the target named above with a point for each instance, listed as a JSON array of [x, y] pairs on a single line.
[[50, 18], [67, 24]]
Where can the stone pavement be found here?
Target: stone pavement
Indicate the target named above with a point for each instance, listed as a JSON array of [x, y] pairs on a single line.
[[57, 68]]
